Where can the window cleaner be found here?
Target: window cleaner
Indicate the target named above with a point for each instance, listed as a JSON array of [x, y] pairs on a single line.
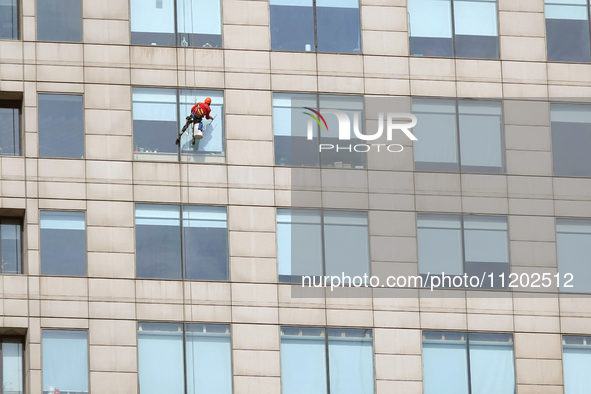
[[198, 111]]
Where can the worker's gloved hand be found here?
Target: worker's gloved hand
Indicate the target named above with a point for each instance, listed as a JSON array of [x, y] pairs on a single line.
[[178, 140]]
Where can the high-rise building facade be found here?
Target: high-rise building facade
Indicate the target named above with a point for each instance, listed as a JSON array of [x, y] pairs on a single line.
[[133, 265]]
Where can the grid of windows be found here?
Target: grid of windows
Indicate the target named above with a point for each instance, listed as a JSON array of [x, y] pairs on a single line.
[[458, 135], [61, 125], [156, 124], [290, 129], [188, 23], [322, 361], [162, 251], [463, 363], [315, 243], [315, 25], [455, 244], [65, 361], [174, 355], [448, 28]]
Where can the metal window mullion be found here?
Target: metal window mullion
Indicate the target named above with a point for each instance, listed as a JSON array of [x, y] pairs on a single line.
[[185, 356], [315, 26], [588, 20], [176, 26], [319, 139], [458, 134], [463, 238], [183, 256], [327, 360], [178, 118], [453, 29], [468, 363]]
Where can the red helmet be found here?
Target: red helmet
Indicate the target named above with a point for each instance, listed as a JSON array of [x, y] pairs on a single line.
[[208, 100]]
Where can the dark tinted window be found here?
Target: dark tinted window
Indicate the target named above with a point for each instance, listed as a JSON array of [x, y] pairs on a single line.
[[63, 243], [10, 129], [59, 20], [567, 31], [292, 25], [61, 126], [338, 26], [10, 246], [571, 139], [9, 20]]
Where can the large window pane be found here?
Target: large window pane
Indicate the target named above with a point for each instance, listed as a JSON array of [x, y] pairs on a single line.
[[573, 244], [12, 366], [299, 243], [61, 126], [160, 358], [486, 246], [346, 243], [338, 26], [158, 241], [63, 243], [290, 127], [351, 106], [571, 139], [476, 33], [209, 359], [206, 242], [303, 361], [155, 123], [9, 20], [350, 357], [436, 131], [199, 23], [10, 246], [439, 239], [481, 136], [65, 361], [10, 129], [492, 369], [292, 25], [59, 20], [567, 31], [445, 363], [212, 143], [576, 362], [430, 28], [152, 23]]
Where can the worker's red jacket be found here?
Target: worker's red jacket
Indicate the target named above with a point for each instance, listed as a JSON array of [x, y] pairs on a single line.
[[201, 110]]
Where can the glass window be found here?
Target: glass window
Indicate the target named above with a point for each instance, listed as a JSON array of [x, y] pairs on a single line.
[[337, 25], [209, 359], [206, 242], [198, 23], [576, 362], [460, 363], [158, 241], [573, 244], [455, 245], [160, 358], [63, 243], [59, 20], [156, 125], [304, 363], [567, 31], [12, 366], [300, 237], [473, 127], [65, 361], [294, 115], [61, 126], [10, 246], [10, 127], [9, 20], [473, 33], [571, 139]]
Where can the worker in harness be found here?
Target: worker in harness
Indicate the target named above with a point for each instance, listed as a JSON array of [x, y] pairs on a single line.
[[198, 112]]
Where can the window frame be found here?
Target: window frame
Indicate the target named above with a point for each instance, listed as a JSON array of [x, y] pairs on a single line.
[[298, 279], [467, 336], [563, 279], [18, 105], [588, 5], [453, 38], [325, 339], [184, 325], [20, 220], [360, 53], [176, 33], [458, 134], [362, 120], [87, 331], [82, 41], [85, 240], [463, 249], [19, 18], [22, 341], [180, 156], [182, 241], [552, 103]]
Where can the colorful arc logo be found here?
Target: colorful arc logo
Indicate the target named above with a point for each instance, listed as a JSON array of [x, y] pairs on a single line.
[[315, 118]]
